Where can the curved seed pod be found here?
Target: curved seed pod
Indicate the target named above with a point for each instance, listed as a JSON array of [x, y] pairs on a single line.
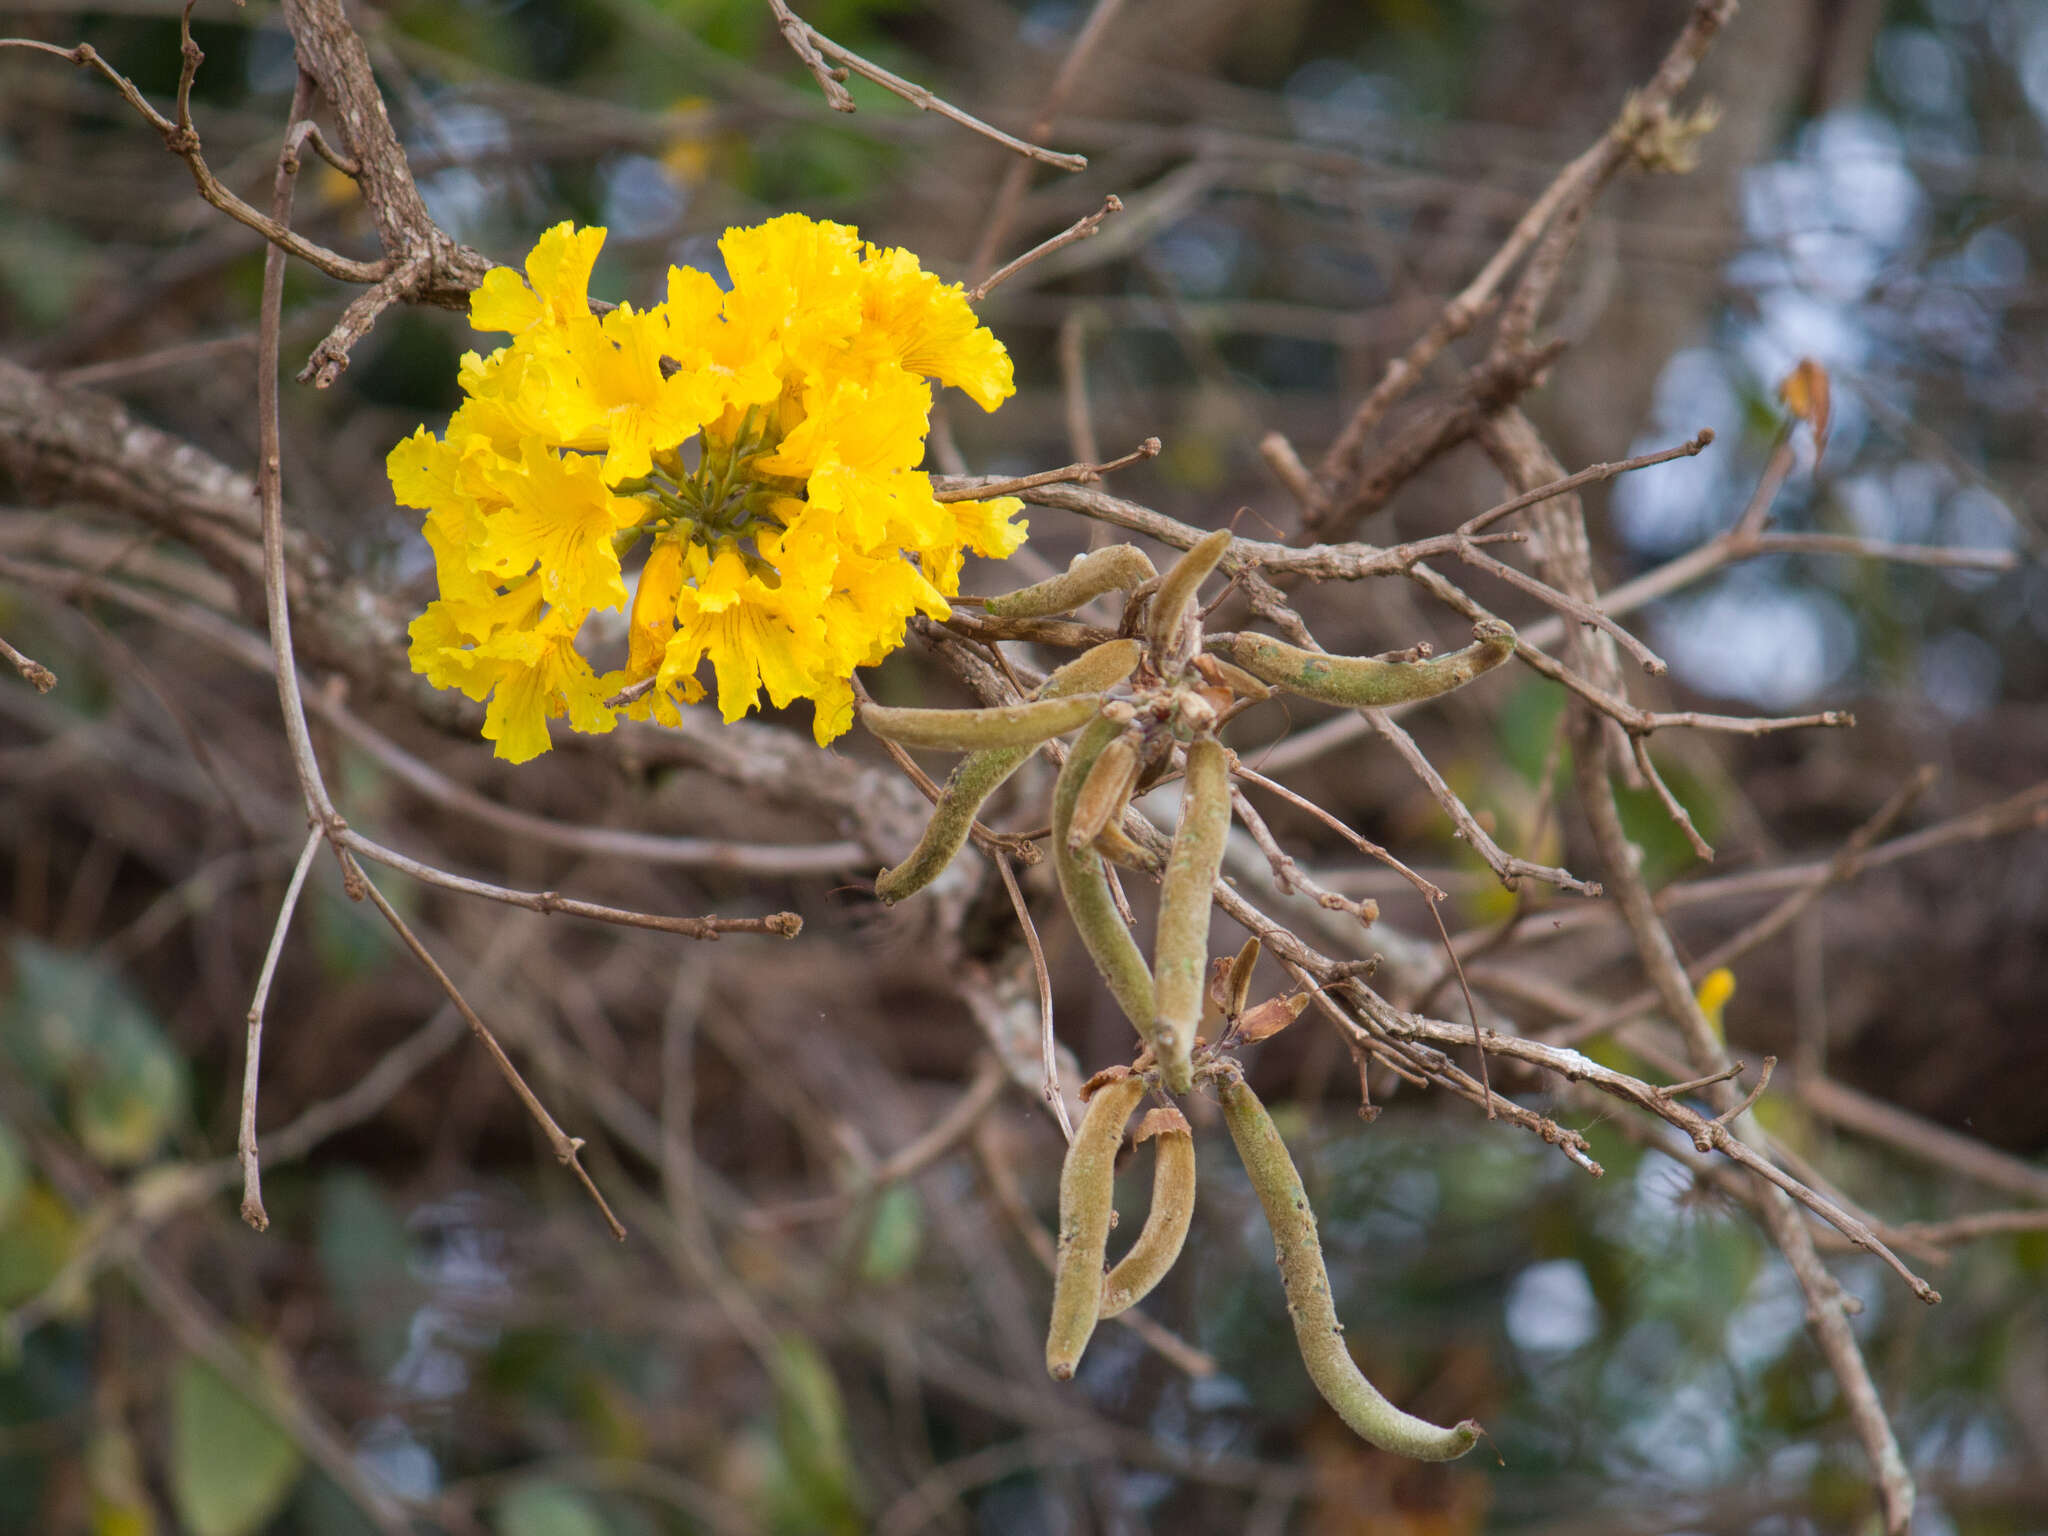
[[1177, 589], [1105, 570], [1362, 682], [981, 774], [1180, 951], [1087, 1189], [972, 730], [1330, 1366], [1086, 887], [1166, 1222], [1106, 790]]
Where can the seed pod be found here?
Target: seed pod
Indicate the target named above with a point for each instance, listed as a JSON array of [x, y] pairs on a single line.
[[1177, 589], [1316, 1330], [1120, 566], [974, 730], [1166, 1222], [1086, 888], [1180, 950], [981, 774], [1096, 670], [1364, 683], [1087, 1191], [1106, 790]]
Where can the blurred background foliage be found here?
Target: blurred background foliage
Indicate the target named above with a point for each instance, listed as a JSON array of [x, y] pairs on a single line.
[[1305, 182]]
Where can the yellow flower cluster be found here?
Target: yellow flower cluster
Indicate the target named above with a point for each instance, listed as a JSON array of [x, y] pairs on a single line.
[[762, 441]]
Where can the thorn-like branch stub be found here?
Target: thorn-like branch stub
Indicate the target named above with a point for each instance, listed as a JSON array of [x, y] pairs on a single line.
[[1316, 1329], [1363, 682], [1087, 1199]]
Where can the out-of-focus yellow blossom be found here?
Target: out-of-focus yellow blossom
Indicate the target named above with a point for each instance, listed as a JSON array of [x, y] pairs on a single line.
[[1716, 987], [763, 443]]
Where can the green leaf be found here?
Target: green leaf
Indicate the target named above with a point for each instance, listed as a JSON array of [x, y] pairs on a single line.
[[810, 1419], [231, 1466], [34, 1243], [546, 1509], [894, 1236], [92, 1047], [366, 1258]]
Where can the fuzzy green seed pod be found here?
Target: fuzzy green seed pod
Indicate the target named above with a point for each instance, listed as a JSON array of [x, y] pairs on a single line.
[[1361, 682], [1106, 791], [981, 774], [1316, 1329], [1119, 567], [1180, 950], [1096, 670], [1085, 886], [1166, 1222], [1177, 589], [975, 730], [1087, 1195]]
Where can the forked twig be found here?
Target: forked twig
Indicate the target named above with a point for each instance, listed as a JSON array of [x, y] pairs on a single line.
[[245, 1140]]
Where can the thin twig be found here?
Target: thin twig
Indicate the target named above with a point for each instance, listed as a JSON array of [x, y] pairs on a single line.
[[1565, 603], [245, 1142], [38, 676], [1763, 1080], [118, 368], [1825, 1310], [1078, 474], [925, 101], [182, 141], [1577, 182], [1695, 1084], [785, 925], [797, 35], [1080, 229], [1592, 474], [564, 1146], [1672, 805], [1509, 868], [1963, 1229], [906, 1162], [1844, 863], [1047, 1044], [1018, 176]]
